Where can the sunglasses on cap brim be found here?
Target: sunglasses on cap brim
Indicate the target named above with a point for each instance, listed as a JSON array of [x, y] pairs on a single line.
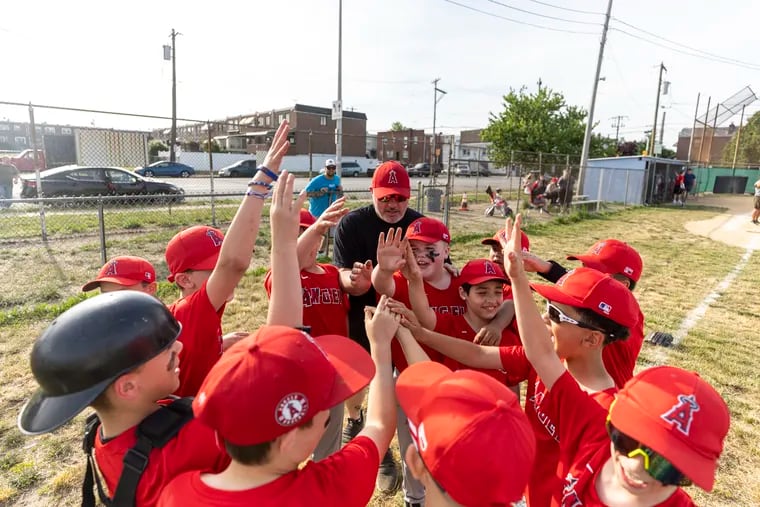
[[655, 464], [558, 316], [393, 197]]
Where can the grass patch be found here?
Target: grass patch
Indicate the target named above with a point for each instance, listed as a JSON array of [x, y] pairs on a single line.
[[23, 475]]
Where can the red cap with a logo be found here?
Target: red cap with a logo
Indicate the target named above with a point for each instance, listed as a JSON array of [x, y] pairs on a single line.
[[124, 270], [496, 240], [678, 415], [390, 178], [470, 431], [481, 270], [428, 230], [613, 257], [596, 291], [195, 248], [276, 380], [307, 219]]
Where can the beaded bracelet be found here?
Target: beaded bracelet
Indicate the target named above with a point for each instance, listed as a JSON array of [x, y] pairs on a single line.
[[268, 172], [258, 183], [258, 195]]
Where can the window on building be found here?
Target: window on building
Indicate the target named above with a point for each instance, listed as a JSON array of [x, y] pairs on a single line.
[[268, 120], [66, 131], [50, 130], [3, 139], [465, 152], [17, 128], [260, 121], [20, 140], [38, 130], [323, 120], [389, 154], [5, 126], [281, 118], [414, 139], [405, 154]]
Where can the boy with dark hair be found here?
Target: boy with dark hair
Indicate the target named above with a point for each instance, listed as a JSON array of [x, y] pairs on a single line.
[[207, 267], [124, 272]]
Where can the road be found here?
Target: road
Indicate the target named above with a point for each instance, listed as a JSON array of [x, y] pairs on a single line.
[[202, 185]]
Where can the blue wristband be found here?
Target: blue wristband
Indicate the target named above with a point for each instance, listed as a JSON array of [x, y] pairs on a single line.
[[268, 172], [257, 183], [258, 195]]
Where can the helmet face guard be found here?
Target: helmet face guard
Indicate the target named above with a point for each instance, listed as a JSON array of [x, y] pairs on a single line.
[[88, 347]]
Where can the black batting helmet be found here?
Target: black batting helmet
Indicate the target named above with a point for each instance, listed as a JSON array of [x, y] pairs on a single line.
[[88, 347]]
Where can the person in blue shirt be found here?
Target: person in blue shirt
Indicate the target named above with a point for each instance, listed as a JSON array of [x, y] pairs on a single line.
[[324, 189]]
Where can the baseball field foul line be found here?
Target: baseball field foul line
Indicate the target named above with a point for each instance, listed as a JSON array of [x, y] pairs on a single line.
[[696, 314]]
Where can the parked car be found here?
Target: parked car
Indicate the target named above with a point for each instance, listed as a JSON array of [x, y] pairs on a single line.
[[92, 181], [462, 169], [164, 168], [420, 169], [354, 169], [482, 170], [240, 168]]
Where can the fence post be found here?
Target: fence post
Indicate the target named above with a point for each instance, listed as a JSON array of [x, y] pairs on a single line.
[[102, 231], [33, 135], [419, 196], [625, 196], [540, 172], [211, 173], [599, 192]]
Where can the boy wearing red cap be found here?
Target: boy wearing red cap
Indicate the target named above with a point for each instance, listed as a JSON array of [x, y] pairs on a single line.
[[473, 446], [124, 272], [289, 381], [624, 264], [207, 267]]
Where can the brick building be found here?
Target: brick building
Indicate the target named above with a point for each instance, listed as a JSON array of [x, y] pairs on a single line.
[[714, 144], [409, 146], [18, 135]]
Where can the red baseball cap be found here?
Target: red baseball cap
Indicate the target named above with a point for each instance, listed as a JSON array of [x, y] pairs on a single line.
[[124, 270], [277, 379], [390, 178], [678, 415], [470, 431], [500, 234], [613, 257], [194, 248], [481, 270], [307, 219], [596, 291], [429, 230]]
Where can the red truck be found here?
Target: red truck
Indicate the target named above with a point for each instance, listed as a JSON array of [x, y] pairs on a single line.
[[24, 161]]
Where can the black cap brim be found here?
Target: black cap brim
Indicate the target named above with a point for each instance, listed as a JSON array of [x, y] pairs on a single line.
[[43, 413]]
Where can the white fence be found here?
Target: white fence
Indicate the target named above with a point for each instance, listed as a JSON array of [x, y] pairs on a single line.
[[298, 163]]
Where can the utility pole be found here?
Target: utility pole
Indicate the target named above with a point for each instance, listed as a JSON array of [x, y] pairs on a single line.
[[339, 120], [662, 126], [433, 154], [590, 121], [618, 123], [736, 148], [173, 132], [653, 136]]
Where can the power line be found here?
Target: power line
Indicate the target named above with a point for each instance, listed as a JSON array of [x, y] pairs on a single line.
[[518, 21], [740, 62], [542, 15], [566, 8]]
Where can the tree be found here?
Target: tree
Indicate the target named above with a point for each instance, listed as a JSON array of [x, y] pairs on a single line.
[[749, 144], [631, 148], [602, 146], [156, 145], [539, 122], [397, 126], [215, 148]]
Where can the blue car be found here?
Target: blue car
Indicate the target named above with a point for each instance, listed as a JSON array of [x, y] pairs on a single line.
[[164, 168]]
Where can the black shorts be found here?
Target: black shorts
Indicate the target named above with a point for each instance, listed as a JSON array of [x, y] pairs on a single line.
[[757, 202], [677, 190]]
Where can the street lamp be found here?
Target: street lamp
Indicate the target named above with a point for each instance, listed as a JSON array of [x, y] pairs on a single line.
[[433, 153]]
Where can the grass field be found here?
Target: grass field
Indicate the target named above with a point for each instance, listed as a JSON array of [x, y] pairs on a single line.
[[680, 269]]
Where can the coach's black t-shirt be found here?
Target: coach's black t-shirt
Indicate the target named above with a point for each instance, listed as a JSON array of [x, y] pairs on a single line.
[[356, 241]]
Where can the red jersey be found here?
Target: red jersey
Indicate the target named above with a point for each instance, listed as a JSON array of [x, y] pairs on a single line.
[[345, 478], [620, 356], [193, 448], [325, 305], [585, 441], [442, 301], [201, 339], [457, 326]]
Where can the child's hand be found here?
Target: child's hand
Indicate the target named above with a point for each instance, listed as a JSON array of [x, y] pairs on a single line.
[[361, 275], [279, 148], [390, 251], [380, 323], [410, 269], [511, 243], [285, 213], [408, 318], [331, 215]]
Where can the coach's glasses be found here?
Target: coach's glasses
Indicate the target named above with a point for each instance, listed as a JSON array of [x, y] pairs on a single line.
[[558, 316], [655, 464], [394, 197]]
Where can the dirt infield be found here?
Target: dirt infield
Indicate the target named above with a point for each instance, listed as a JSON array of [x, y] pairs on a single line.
[[732, 227]]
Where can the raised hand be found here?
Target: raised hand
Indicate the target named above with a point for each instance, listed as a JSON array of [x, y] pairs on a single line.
[[331, 215], [361, 275], [279, 148], [408, 318], [511, 243], [380, 323], [391, 251], [285, 212], [410, 269]]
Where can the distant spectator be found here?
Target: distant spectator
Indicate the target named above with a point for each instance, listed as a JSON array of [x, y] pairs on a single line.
[[565, 184], [8, 176], [679, 188], [689, 179], [323, 189], [756, 211], [552, 191]]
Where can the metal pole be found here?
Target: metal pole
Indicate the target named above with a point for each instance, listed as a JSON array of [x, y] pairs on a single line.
[[449, 189], [704, 130], [662, 127], [102, 231], [477, 176], [310, 156], [653, 137], [173, 134], [625, 197], [693, 128], [736, 148], [590, 121], [211, 172], [339, 121], [432, 149], [599, 191], [712, 134], [419, 196], [33, 135]]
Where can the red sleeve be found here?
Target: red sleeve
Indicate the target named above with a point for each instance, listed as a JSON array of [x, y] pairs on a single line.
[[515, 364]]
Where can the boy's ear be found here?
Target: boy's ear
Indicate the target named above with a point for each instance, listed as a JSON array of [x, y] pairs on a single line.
[[462, 293], [415, 463], [594, 339], [183, 281]]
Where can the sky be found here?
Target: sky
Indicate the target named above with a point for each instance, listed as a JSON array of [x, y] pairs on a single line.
[[237, 57]]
